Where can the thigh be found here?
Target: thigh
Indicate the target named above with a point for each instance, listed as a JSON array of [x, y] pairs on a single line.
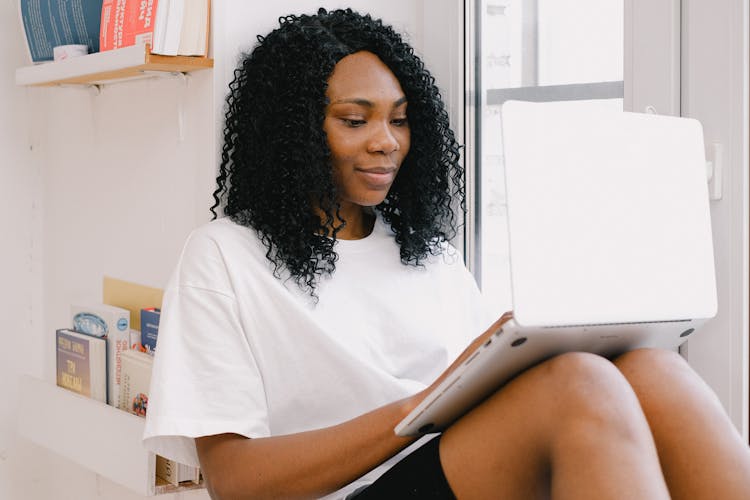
[[702, 453], [576, 406]]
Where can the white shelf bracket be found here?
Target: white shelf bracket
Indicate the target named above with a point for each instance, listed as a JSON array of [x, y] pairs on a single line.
[[95, 88], [181, 97]]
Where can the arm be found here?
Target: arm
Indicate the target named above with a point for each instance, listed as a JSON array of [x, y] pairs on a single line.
[[314, 462], [305, 464]]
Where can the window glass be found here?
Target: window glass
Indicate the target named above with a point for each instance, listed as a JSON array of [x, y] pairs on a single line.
[[534, 50]]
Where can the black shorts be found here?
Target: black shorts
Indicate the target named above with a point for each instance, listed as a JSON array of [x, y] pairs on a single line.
[[418, 475]]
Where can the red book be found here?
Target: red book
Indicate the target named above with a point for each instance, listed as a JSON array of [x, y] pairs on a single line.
[[127, 22]]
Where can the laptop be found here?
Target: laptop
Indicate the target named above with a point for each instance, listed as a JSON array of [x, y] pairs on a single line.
[[610, 245]]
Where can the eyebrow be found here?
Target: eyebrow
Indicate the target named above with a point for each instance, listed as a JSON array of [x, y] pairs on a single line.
[[368, 104]]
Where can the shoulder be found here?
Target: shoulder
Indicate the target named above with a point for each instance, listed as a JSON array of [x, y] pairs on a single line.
[[220, 230], [221, 236], [213, 251]]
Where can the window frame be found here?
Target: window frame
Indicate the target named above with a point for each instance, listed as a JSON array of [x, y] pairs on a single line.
[[670, 68]]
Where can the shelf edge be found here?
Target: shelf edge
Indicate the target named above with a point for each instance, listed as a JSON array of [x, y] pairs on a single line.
[[127, 62], [80, 429]]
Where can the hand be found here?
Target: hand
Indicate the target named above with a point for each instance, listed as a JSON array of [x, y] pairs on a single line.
[[481, 339]]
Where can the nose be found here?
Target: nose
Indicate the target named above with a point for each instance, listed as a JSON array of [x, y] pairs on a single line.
[[382, 140]]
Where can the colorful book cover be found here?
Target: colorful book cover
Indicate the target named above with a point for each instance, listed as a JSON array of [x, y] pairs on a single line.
[[150, 328], [108, 321], [135, 381], [82, 363], [49, 24], [127, 22]]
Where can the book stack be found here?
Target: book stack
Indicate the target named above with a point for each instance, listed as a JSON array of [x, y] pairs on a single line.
[[110, 323], [176, 473], [98, 345], [170, 27], [97, 330]]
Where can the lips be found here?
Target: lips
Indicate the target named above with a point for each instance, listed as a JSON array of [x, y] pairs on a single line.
[[377, 177]]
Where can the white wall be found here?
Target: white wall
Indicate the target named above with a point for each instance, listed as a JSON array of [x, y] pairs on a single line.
[[20, 308], [111, 188]]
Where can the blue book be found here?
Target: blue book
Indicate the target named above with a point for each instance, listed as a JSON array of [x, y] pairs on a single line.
[[150, 328], [48, 24]]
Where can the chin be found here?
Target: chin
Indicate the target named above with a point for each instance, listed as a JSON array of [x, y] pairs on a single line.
[[372, 201], [370, 198]]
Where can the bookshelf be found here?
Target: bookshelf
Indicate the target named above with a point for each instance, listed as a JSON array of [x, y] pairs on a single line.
[[92, 434], [100, 68]]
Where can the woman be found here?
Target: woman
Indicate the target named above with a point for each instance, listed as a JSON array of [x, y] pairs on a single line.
[[299, 330]]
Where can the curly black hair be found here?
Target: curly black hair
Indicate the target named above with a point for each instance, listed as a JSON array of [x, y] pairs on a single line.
[[275, 161]]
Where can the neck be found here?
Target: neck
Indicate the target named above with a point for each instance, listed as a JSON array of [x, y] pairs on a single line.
[[359, 224]]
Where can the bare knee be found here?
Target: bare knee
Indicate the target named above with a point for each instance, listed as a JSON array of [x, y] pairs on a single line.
[[592, 397], [586, 381], [650, 361], [661, 377], [571, 405], [571, 395]]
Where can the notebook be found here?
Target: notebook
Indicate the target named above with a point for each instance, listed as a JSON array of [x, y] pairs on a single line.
[[610, 245]]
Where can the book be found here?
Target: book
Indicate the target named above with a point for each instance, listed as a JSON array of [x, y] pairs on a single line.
[[150, 328], [136, 381], [100, 320], [135, 377], [169, 27], [126, 23], [184, 29], [175, 472], [82, 363], [50, 24], [135, 339], [103, 320]]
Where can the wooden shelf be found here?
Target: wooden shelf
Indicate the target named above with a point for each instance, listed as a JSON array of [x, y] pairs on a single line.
[[107, 67], [94, 435]]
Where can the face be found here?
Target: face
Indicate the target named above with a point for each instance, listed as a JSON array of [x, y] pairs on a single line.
[[368, 132]]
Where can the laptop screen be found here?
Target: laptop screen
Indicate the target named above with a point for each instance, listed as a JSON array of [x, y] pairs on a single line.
[[608, 216]]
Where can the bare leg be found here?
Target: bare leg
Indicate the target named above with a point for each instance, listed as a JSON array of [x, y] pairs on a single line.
[[570, 427], [701, 453]]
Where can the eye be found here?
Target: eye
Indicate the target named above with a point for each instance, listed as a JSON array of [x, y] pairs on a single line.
[[400, 122], [353, 122]]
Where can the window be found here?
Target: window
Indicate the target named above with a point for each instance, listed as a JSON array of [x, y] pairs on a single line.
[[533, 50]]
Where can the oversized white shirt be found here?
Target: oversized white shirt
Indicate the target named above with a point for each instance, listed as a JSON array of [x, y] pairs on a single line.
[[241, 351]]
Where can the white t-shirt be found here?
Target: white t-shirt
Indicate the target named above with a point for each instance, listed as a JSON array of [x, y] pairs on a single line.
[[241, 351]]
